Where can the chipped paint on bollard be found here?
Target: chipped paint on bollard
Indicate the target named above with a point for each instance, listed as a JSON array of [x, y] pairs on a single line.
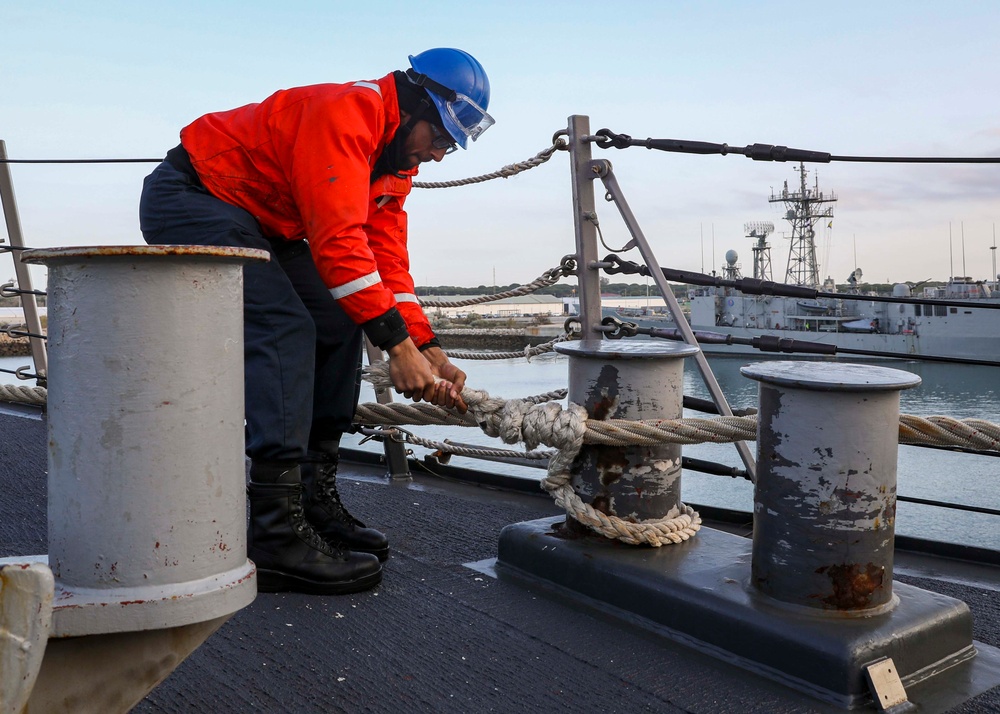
[[825, 497], [146, 498], [635, 381]]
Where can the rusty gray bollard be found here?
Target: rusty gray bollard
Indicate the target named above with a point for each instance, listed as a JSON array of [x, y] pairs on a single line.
[[621, 380], [825, 498]]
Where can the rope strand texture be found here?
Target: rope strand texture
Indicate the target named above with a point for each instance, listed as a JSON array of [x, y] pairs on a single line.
[[567, 429], [506, 172], [22, 394], [528, 352], [564, 429]]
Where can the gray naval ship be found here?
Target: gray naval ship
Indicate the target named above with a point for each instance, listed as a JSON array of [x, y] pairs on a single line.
[[959, 319]]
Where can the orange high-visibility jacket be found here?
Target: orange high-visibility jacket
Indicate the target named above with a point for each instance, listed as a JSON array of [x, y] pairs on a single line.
[[300, 162]]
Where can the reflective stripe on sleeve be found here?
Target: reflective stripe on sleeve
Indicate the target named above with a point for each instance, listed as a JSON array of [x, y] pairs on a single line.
[[366, 281], [371, 85], [406, 297]]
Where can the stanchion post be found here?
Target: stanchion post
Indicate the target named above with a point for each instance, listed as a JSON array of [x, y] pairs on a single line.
[[588, 278], [39, 354], [395, 452]]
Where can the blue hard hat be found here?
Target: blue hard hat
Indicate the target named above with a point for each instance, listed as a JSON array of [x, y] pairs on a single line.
[[459, 88]]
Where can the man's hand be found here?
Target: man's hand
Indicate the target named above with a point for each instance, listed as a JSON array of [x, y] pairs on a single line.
[[442, 367], [412, 375]]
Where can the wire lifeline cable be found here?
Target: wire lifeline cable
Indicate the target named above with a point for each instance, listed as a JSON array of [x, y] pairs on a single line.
[[605, 139], [80, 161], [613, 264]]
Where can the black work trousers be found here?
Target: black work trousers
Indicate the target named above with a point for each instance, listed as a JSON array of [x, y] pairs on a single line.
[[302, 352]]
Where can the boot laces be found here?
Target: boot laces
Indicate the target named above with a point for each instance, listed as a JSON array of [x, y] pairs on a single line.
[[328, 495], [307, 533]]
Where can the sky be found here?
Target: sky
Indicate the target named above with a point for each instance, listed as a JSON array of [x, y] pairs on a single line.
[[115, 79]]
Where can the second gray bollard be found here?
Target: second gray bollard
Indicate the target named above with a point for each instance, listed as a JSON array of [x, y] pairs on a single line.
[[825, 498]]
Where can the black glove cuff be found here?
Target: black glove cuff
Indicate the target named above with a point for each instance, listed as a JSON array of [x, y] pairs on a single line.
[[386, 330]]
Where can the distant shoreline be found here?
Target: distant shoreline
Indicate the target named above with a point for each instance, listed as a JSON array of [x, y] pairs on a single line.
[[14, 346], [490, 339], [497, 339]]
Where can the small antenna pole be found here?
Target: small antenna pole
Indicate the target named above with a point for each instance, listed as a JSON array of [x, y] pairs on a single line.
[[951, 255], [964, 271]]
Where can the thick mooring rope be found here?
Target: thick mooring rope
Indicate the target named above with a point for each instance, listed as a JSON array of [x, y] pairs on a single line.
[[945, 431], [567, 430], [538, 420], [976, 434], [23, 394], [549, 423]]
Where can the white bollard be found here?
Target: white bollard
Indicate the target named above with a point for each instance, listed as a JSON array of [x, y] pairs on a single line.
[[147, 499]]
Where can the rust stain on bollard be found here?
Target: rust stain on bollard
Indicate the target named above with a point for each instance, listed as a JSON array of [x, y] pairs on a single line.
[[853, 584], [611, 463]]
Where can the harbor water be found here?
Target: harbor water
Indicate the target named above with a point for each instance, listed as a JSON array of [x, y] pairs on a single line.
[[957, 391]]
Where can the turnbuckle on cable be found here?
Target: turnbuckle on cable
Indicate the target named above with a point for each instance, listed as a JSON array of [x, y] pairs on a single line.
[[614, 265], [392, 433], [758, 152]]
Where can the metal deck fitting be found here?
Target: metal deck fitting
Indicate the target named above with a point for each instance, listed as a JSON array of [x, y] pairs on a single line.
[[146, 492], [703, 592], [636, 380]]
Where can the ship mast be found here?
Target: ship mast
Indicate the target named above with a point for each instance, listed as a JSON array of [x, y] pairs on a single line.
[[805, 209]]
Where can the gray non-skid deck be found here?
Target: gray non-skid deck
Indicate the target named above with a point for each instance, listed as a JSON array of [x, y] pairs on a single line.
[[439, 636]]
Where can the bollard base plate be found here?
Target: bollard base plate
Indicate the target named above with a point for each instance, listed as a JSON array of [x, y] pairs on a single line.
[[698, 593], [93, 611]]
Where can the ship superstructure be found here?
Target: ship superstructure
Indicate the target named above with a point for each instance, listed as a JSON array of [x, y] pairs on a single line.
[[897, 329]]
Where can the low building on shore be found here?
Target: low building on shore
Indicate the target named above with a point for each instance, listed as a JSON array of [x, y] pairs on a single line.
[[533, 306], [521, 306]]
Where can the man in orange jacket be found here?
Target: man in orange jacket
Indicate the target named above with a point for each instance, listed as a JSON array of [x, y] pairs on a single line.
[[317, 176]]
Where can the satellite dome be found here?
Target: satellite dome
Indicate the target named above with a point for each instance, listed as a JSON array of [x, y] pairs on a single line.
[[731, 257]]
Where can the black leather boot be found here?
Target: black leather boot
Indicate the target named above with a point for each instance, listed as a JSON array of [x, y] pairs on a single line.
[[289, 554], [326, 512]]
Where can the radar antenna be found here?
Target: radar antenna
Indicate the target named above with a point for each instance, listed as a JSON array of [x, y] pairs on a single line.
[[761, 249]]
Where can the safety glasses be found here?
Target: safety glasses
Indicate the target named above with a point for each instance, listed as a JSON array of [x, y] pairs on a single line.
[[441, 141]]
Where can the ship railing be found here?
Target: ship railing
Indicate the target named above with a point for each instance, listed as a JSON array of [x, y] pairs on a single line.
[[585, 263], [32, 327]]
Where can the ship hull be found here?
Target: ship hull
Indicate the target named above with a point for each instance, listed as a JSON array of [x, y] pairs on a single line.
[[965, 333]]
